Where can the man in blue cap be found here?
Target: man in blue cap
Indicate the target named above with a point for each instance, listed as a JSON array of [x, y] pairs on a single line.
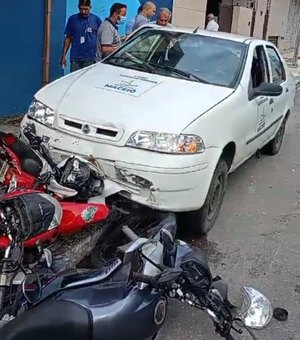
[[81, 35]]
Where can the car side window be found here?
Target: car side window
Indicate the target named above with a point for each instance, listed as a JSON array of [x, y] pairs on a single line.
[[278, 71], [259, 70]]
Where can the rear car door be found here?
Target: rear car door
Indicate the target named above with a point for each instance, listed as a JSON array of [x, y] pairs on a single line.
[[278, 105]]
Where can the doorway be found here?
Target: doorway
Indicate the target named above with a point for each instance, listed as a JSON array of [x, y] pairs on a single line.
[[223, 11]]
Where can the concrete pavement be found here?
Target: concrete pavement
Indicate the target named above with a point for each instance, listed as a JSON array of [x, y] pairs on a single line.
[[256, 241]]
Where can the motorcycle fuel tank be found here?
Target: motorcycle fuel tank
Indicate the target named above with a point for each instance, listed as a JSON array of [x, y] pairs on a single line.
[[120, 311]]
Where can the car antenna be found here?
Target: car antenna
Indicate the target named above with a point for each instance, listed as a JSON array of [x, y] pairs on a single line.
[[196, 29]]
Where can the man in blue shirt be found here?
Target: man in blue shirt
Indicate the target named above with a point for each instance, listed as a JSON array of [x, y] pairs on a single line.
[[81, 35]]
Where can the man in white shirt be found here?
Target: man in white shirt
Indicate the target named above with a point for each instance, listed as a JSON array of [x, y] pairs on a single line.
[[211, 23], [164, 18]]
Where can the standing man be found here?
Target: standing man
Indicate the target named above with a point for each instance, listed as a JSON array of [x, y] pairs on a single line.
[[131, 22], [211, 23], [108, 37], [81, 35], [148, 11], [164, 18]]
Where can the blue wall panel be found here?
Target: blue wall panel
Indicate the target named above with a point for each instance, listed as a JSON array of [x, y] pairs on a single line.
[[22, 51], [57, 37], [21, 63]]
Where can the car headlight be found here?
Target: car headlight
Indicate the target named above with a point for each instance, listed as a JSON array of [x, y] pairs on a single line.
[[41, 113], [256, 311], [166, 142]]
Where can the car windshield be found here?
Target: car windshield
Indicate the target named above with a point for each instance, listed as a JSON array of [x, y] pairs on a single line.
[[182, 55]]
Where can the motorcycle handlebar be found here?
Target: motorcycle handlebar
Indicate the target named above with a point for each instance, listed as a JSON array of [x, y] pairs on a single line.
[[145, 279]]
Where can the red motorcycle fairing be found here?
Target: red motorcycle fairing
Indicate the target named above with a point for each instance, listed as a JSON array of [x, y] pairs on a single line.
[[24, 179], [77, 216]]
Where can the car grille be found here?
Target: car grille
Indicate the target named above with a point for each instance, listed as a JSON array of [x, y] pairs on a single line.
[[101, 131]]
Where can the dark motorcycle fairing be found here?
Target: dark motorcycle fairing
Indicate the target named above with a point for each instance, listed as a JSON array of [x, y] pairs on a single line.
[[51, 320], [113, 309]]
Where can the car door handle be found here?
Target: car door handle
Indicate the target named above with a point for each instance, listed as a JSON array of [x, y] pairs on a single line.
[[271, 101]]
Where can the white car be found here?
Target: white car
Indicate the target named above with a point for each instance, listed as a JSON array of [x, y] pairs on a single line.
[[170, 114]]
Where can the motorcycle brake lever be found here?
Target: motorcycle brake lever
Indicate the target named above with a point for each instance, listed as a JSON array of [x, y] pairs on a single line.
[[238, 330]]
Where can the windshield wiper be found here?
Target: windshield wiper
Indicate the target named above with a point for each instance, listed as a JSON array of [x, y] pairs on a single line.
[[184, 74], [134, 61]]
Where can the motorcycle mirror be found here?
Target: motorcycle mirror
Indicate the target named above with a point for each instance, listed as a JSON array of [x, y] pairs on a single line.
[[169, 274], [32, 288]]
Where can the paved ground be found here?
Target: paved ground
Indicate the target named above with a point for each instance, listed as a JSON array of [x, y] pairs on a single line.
[[256, 241]]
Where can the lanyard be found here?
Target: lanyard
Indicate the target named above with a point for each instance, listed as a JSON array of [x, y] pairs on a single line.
[[87, 24]]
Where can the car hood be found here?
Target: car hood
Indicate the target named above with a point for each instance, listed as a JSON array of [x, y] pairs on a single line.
[[129, 100]]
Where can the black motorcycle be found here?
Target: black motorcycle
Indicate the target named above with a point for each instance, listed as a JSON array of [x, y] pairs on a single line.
[[128, 297]]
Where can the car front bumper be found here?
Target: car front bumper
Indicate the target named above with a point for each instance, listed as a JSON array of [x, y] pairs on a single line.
[[161, 181]]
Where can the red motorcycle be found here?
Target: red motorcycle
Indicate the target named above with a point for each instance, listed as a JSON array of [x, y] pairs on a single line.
[[37, 220], [30, 166]]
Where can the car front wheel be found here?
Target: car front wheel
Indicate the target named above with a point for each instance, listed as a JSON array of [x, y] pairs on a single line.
[[200, 222]]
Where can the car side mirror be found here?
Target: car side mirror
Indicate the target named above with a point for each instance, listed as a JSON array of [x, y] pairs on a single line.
[[268, 89]]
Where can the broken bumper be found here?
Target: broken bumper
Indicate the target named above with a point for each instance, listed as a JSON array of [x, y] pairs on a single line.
[[161, 181]]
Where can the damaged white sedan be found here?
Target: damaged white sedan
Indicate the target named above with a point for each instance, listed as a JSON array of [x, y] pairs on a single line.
[[170, 114]]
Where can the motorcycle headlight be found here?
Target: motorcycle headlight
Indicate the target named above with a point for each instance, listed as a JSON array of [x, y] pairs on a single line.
[[41, 113], [256, 311], [166, 142]]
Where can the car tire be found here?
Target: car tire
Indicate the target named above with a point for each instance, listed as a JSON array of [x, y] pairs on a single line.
[[274, 146], [200, 222]]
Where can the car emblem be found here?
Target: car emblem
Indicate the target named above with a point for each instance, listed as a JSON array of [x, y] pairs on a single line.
[[86, 129]]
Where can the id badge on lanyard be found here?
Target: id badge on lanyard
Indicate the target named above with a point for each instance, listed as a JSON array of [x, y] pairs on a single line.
[[82, 38]]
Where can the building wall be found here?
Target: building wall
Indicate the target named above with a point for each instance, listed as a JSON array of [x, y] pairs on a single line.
[[278, 20], [189, 13], [261, 8], [22, 52], [293, 25], [241, 20]]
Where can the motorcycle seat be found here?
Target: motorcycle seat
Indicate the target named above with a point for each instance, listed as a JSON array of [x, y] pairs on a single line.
[[30, 162], [60, 320]]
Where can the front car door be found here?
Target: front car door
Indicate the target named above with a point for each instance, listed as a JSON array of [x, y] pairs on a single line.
[[259, 106]]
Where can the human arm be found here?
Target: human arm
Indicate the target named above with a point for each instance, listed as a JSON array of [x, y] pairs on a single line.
[[67, 42], [107, 41], [107, 49], [66, 46]]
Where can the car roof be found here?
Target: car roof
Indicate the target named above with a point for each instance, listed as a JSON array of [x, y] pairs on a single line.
[[221, 35]]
